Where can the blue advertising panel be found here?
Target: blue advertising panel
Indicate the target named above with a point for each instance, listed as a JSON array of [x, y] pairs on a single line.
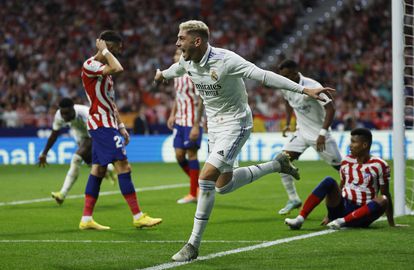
[[158, 148]]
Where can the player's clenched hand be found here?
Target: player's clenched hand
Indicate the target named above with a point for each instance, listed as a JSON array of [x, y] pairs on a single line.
[[125, 134], [42, 161], [314, 92], [320, 143], [100, 44], [159, 78], [286, 129]]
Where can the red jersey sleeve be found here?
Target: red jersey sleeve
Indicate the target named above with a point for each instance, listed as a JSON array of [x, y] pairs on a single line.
[[92, 68]]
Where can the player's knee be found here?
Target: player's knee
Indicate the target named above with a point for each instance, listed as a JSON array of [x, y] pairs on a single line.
[[76, 160], [192, 154], [180, 157], [329, 181], [381, 201], [225, 189]]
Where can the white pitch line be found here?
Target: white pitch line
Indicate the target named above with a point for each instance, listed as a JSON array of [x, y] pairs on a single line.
[[239, 250], [122, 241], [100, 194]]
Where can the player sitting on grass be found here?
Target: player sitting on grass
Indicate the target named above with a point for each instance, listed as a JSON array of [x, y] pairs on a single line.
[[355, 203]]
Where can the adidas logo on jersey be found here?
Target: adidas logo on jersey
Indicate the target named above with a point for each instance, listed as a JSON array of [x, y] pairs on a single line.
[[221, 153]]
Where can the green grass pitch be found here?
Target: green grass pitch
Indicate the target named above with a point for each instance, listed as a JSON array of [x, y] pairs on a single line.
[[43, 235]]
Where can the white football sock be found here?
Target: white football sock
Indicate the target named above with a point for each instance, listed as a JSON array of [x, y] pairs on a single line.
[[137, 216], [86, 218], [289, 184], [72, 174], [205, 205], [245, 175]]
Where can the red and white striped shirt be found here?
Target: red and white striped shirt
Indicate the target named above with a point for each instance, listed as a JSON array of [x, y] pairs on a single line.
[[362, 181], [187, 101], [100, 92]]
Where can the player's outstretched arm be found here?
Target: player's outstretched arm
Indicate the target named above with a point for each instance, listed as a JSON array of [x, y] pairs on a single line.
[[42, 162], [238, 66], [174, 71]]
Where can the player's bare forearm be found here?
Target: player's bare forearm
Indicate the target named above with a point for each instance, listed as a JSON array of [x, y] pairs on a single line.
[[329, 116], [50, 141], [200, 111], [116, 113], [42, 161], [389, 211]]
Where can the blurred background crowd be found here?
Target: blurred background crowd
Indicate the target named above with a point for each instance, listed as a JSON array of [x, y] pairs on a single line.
[[43, 45]]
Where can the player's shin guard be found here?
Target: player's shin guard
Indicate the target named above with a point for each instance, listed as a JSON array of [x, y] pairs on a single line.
[[289, 185], [91, 194], [370, 208], [317, 195], [245, 175], [72, 174], [184, 165], [194, 171], [204, 207], [128, 191]]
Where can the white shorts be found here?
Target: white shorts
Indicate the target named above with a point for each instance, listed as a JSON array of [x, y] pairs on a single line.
[[299, 144], [225, 146]]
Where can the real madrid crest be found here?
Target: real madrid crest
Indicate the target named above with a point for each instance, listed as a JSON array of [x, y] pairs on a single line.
[[213, 75]]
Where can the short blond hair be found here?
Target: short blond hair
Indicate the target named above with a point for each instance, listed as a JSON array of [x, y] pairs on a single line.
[[198, 28]]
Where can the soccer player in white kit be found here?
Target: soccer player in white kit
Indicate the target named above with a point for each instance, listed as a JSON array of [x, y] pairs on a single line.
[[218, 76], [313, 122], [74, 116]]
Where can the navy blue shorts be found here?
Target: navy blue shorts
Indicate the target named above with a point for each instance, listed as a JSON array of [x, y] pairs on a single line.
[[107, 146], [182, 140], [346, 207]]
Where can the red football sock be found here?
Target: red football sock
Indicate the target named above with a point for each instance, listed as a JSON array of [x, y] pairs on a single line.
[[132, 202], [89, 205], [311, 202], [357, 214], [194, 181]]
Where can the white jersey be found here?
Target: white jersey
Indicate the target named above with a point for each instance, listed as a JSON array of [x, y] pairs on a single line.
[[186, 97], [218, 77], [310, 113], [78, 125]]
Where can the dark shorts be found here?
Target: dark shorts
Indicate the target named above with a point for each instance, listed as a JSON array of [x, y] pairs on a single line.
[[182, 140], [107, 146], [346, 207]]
